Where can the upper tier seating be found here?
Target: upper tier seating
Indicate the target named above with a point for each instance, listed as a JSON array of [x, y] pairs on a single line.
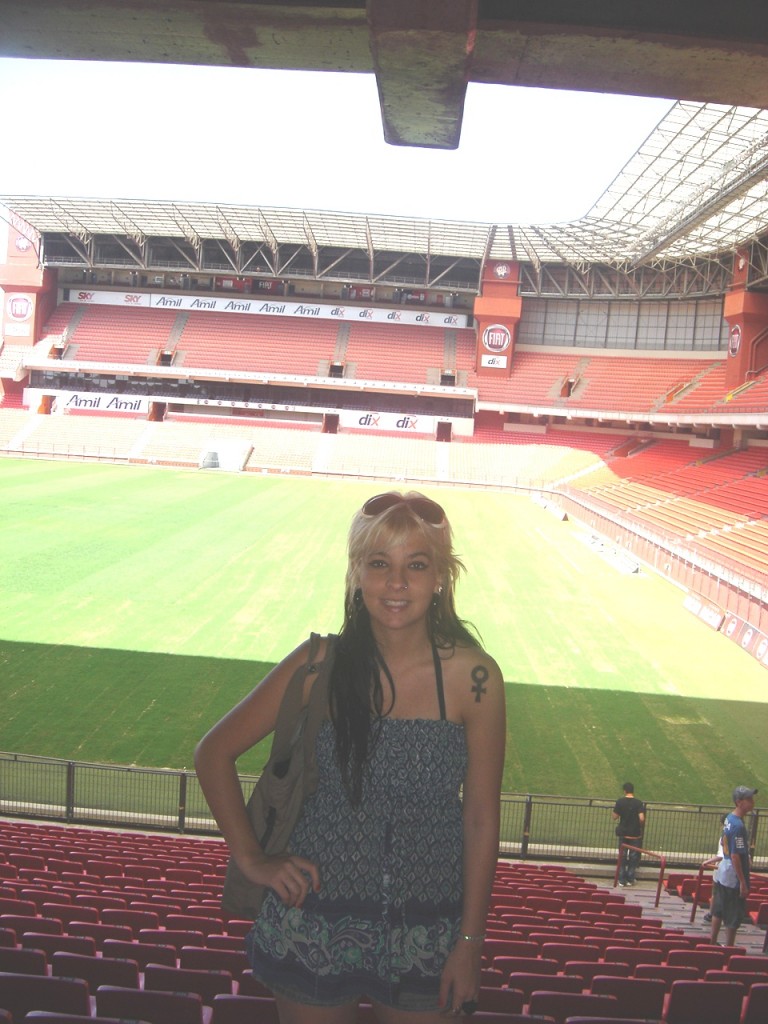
[[753, 396], [113, 334], [572, 380], [256, 344], [577, 380], [396, 352]]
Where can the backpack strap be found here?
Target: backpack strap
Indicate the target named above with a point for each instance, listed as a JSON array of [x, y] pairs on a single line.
[[317, 709], [289, 714], [294, 715]]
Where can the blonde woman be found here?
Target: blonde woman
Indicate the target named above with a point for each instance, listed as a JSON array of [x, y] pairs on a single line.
[[384, 894]]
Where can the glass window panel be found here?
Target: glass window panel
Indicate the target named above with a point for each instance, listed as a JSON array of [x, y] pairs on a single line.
[[592, 325]]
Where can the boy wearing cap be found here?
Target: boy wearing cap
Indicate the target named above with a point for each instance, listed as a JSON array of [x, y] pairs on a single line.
[[731, 879]]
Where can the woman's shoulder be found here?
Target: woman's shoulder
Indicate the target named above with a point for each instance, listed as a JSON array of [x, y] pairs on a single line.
[[470, 662], [463, 655]]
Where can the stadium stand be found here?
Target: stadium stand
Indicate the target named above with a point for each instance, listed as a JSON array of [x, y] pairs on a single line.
[[607, 383], [669, 484], [257, 344], [704, 389], [394, 352], [751, 395], [111, 334], [557, 944]]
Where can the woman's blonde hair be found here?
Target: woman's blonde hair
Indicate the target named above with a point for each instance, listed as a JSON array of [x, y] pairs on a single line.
[[391, 527]]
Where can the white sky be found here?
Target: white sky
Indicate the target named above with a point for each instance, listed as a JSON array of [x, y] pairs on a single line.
[[305, 140]]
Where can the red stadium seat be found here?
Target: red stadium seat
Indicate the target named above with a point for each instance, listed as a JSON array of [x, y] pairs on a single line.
[[756, 1006], [20, 993], [667, 974], [142, 952], [501, 1000], [47, 1017], [96, 970], [67, 913], [561, 953], [494, 949], [205, 983], [23, 961], [172, 937], [562, 1005], [530, 964], [587, 970], [529, 983], [632, 955], [224, 942], [741, 962], [228, 1009], [189, 923], [701, 960], [100, 933], [19, 924], [745, 978], [153, 1007], [128, 917], [635, 997], [602, 1019], [23, 908], [704, 1002], [205, 959], [51, 944]]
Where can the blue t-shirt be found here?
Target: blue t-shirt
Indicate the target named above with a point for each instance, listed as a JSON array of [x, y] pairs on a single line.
[[735, 844]]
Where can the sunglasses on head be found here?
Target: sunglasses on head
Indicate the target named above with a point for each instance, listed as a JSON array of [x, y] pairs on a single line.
[[426, 509]]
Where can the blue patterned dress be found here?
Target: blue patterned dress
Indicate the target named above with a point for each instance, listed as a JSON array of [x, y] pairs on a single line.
[[388, 911]]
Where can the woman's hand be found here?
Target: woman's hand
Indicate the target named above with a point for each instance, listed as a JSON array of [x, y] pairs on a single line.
[[291, 877], [460, 982]]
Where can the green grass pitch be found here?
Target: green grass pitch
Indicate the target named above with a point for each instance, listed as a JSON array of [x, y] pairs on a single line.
[[138, 605]]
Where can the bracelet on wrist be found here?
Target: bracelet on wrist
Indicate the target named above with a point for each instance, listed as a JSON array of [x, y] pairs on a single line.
[[473, 938]]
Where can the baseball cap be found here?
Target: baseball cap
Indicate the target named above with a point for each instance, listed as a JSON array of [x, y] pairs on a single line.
[[743, 793]]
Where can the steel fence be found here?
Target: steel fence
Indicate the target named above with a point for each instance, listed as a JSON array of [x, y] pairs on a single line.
[[533, 826]]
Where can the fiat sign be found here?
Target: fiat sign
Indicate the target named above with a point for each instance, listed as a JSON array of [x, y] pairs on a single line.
[[497, 338]]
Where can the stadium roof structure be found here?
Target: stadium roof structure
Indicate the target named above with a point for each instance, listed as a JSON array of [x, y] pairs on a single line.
[[424, 54], [697, 188]]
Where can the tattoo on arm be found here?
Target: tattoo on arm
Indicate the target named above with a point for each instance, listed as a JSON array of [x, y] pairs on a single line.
[[479, 677]]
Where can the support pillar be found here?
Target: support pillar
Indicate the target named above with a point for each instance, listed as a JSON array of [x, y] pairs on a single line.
[[498, 309], [27, 291], [747, 315]]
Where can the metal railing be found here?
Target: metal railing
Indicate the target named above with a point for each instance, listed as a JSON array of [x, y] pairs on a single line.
[[624, 847], [533, 826], [699, 895]]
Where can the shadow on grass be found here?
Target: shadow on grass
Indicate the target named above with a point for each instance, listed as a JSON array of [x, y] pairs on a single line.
[[119, 707], [150, 709]]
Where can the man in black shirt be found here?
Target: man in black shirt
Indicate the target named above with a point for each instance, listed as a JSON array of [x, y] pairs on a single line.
[[630, 814]]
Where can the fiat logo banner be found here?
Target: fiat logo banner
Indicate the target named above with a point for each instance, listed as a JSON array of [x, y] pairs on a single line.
[[19, 307], [497, 338]]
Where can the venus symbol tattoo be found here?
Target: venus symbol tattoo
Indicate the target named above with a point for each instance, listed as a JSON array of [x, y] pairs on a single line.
[[479, 676]]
